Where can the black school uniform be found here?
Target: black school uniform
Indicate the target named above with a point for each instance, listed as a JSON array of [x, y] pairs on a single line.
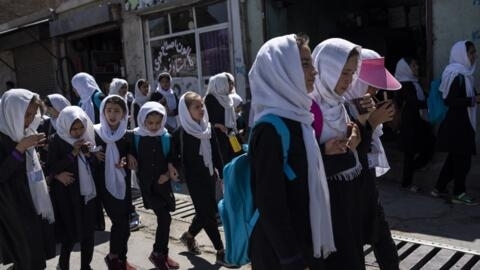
[[136, 109], [117, 210], [216, 115], [75, 220], [19, 215], [152, 162], [281, 238], [201, 185]]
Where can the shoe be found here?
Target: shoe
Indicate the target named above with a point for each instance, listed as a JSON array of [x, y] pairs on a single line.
[[113, 264], [171, 263], [128, 266], [191, 243], [134, 221], [464, 199], [438, 194], [221, 260], [412, 188], [158, 260]]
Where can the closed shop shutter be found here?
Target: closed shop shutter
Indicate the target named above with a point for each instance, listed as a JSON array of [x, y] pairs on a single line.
[[35, 68]]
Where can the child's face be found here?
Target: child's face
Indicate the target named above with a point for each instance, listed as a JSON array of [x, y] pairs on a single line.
[[414, 67], [153, 122], [114, 114], [346, 76], [197, 109], [144, 89], [307, 66], [30, 114], [123, 90], [77, 130], [165, 83], [52, 112]]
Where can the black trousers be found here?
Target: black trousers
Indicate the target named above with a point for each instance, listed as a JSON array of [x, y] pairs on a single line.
[[202, 192], [86, 244], [413, 161], [163, 230], [456, 168], [119, 213]]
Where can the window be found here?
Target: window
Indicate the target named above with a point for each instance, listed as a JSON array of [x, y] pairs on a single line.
[[158, 25], [182, 21], [214, 52], [175, 55], [211, 14]]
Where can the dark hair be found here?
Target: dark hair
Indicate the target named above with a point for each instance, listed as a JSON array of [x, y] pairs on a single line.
[[153, 113], [141, 82], [47, 102], [469, 44], [409, 59], [353, 53], [164, 75], [302, 39], [117, 100]]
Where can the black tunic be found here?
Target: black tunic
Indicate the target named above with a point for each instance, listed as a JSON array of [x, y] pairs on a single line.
[[281, 239], [456, 135], [18, 214], [152, 162], [114, 206], [216, 115], [136, 109], [75, 220], [415, 132]]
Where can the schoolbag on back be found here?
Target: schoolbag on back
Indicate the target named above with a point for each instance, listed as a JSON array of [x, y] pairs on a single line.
[[164, 139], [436, 108], [236, 210]]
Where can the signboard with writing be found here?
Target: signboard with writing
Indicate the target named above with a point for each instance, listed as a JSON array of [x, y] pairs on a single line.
[[176, 55]]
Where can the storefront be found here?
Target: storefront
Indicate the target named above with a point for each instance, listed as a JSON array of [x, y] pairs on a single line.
[[192, 43]]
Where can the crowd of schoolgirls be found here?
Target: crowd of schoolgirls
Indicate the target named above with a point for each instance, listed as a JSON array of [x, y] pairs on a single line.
[[58, 177]]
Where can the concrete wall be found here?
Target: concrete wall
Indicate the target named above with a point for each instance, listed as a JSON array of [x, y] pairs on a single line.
[[133, 47], [254, 29], [6, 74], [454, 21]]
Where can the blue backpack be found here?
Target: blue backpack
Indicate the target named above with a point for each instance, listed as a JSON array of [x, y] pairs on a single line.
[[236, 208], [164, 139], [436, 106]]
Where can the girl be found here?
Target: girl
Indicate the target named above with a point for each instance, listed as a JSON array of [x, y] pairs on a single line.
[[142, 95], [294, 229], [373, 76], [220, 104], [26, 211], [200, 157], [168, 99], [85, 86], [73, 189], [154, 178], [416, 134], [337, 60], [118, 87], [456, 134], [112, 181]]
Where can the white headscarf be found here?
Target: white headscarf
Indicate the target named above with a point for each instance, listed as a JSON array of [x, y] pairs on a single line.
[[170, 98], [13, 107], [218, 87], [65, 120], [115, 86], [86, 85], [460, 64], [278, 87], [114, 177], [329, 58], [145, 110], [201, 131], [376, 157], [140, 99], [58, 102]]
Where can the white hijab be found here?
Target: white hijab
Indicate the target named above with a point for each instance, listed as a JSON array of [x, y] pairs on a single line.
[[13, 107], [376, 157], [140, 99], [278, 87], [218, 87], [460, 64], [65, 120], [201, 131], [329, 58], [58, 102], [145, 110], [170, 98], [86, 85], [114, 177], [115, 86]]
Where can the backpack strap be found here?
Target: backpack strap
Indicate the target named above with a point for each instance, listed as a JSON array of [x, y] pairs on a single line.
[[164, 139], [96, 98], [284, 134]]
